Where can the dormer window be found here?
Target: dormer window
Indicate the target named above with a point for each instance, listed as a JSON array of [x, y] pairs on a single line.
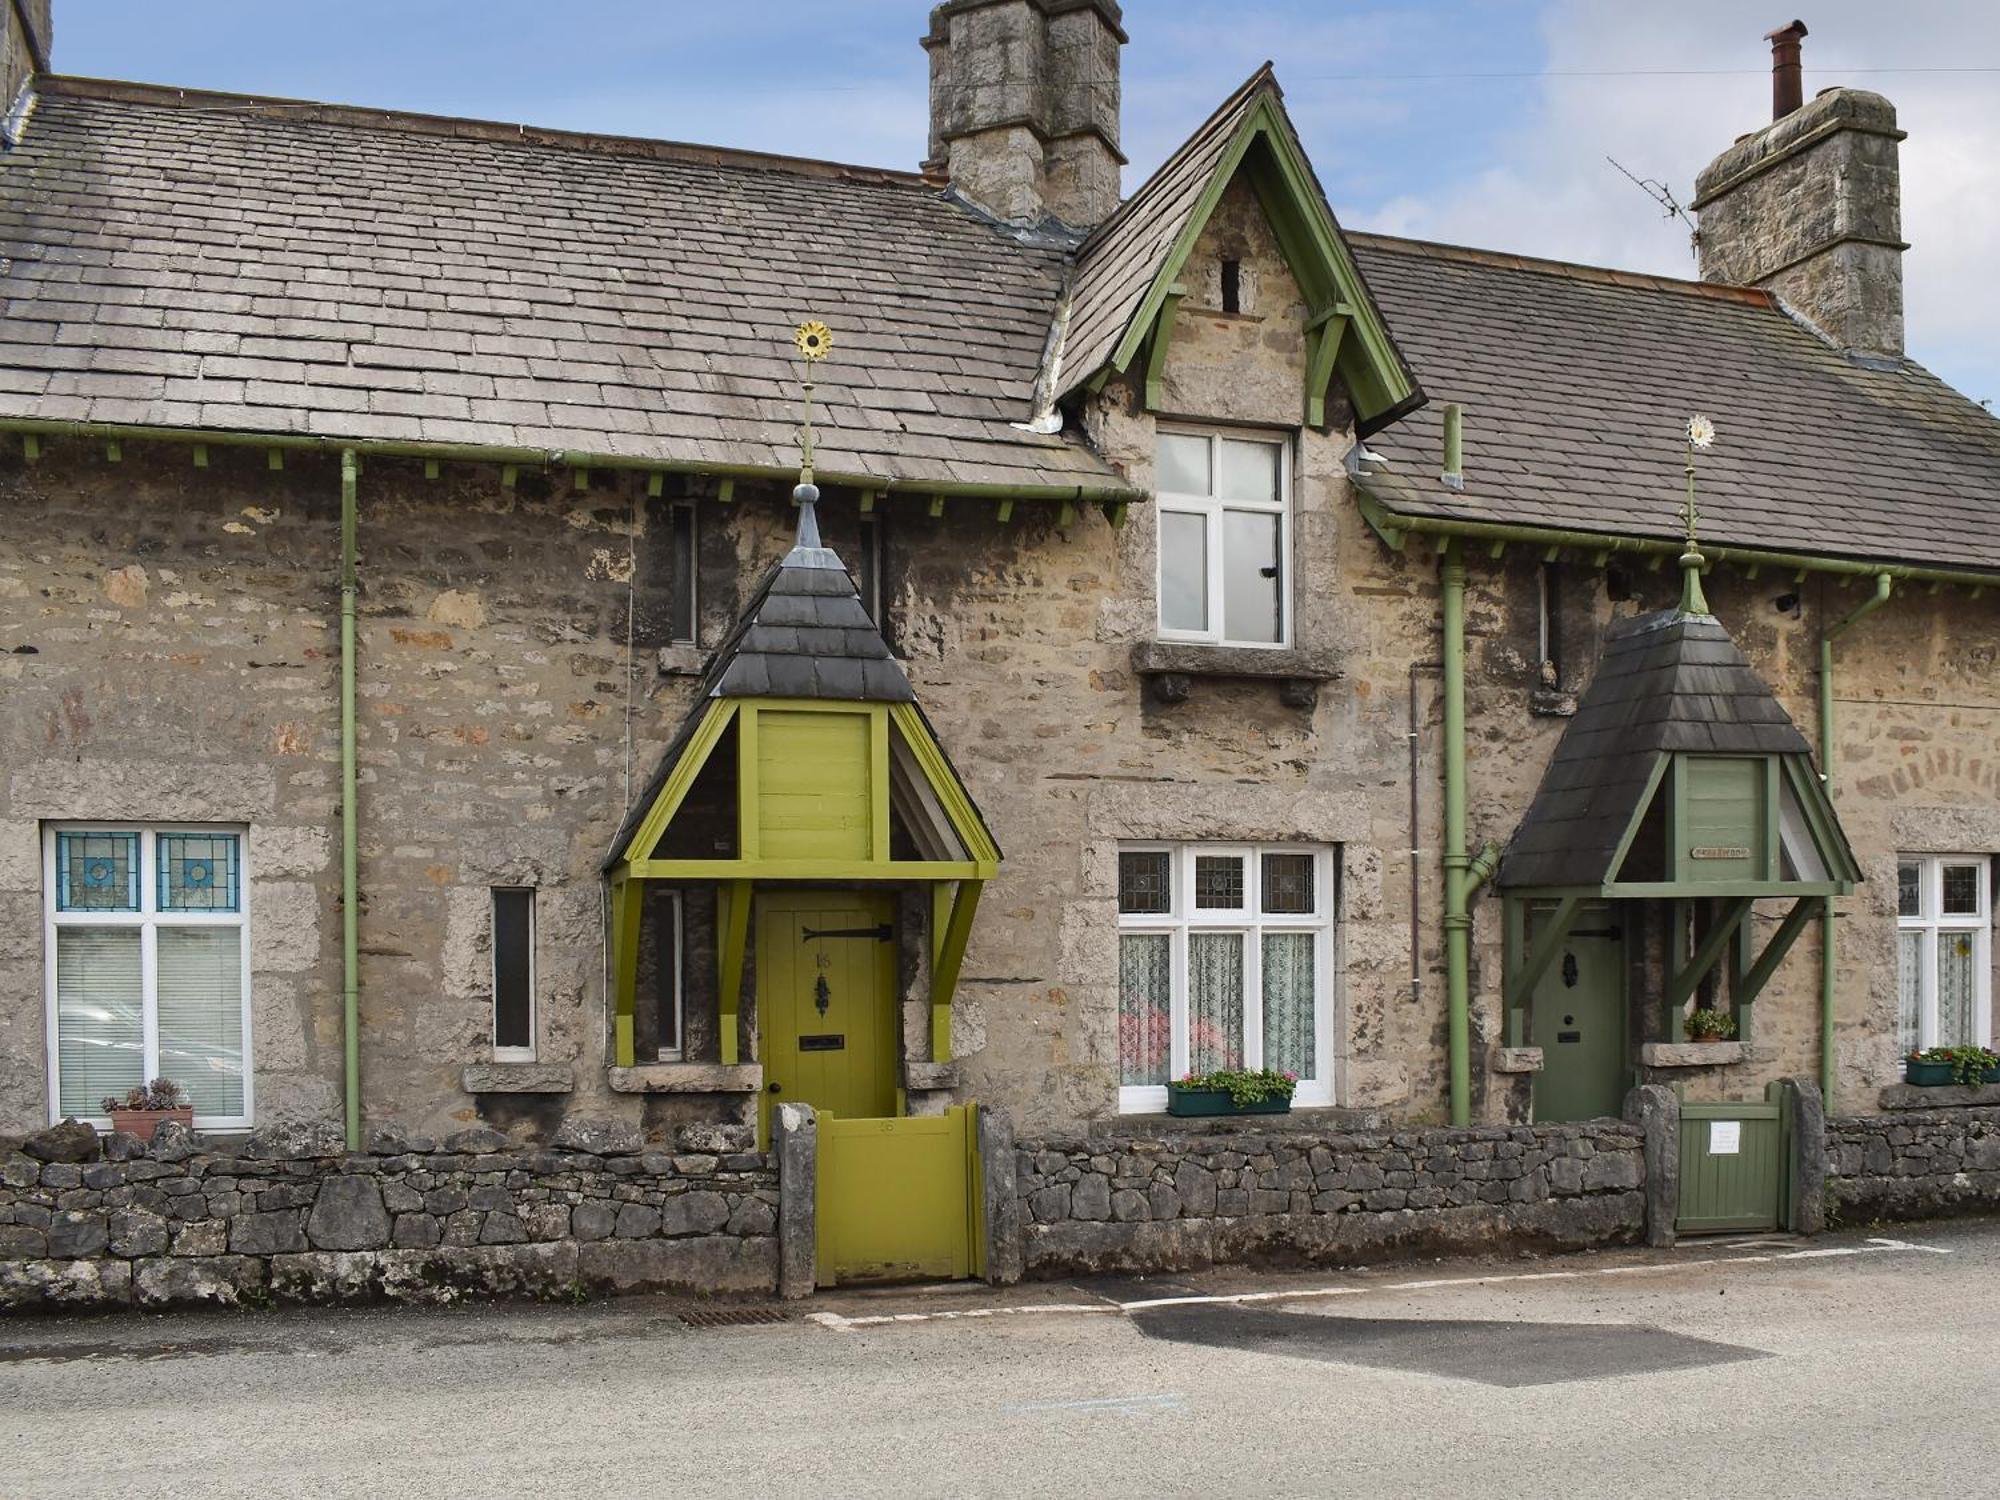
[[1225, 539]]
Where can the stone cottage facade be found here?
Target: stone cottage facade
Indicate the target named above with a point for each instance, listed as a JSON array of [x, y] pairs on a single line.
[[1246, 574]]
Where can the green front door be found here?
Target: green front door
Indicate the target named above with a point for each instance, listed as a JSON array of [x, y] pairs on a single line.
[[826, 1002], [1578, 1020]]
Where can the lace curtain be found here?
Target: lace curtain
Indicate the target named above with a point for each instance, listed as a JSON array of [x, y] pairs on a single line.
[[1145, 1008], [1288, 1003], [1215, 1001]]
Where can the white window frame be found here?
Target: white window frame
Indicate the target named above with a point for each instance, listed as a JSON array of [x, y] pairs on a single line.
[[530, 1052], [148, 920], [677, 923], [1212, 509], [1183, 919], [1932, 921]]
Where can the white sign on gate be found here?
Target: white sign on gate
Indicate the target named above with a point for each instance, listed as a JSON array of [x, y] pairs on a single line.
[[1725, 1137]]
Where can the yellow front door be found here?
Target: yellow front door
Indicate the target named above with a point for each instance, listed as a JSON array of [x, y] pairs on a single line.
[[826, 1002]]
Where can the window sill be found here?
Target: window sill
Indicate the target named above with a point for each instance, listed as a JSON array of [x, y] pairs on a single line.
[[1170, 667], [1690, 1054], [683, 660], [688, 1078], [1303, 1117], [1947, 1096], [517, 1078]]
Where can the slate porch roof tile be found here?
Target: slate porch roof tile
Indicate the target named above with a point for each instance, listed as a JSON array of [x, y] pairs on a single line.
[[215, 261], [1576, 383]]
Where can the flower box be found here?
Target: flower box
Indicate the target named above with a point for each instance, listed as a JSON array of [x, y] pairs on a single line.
[[1190, 1102], [1926, 1075], [143, 1122]]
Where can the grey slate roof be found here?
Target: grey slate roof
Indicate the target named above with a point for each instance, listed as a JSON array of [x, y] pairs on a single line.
[[1577, 383], [1666, 682], [197, 260]]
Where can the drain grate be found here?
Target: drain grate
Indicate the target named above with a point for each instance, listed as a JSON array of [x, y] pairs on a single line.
[[734, 1317]]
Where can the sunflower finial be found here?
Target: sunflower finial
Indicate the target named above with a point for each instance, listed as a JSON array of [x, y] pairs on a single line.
[[814, 341], [1700, 435]]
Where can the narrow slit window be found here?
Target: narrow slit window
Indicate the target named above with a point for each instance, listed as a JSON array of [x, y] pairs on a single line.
[[681, 604], [513, 974], [1232, 286], [1550, 642], [868, 568]]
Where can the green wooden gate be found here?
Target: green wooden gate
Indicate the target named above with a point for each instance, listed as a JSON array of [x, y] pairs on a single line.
[[1733, 1174], [900, 1199]]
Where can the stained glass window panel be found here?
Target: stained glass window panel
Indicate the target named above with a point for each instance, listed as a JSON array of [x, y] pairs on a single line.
[[199, 984], [1961, 890], [1218, 882], [1289, 975], [1145, 1008], [1958, 988], [100, 1017], [1215, 1000], [1145, 882], [97, 872], [199, 872], [1288, 885], [1909, 988], [1909, 889]]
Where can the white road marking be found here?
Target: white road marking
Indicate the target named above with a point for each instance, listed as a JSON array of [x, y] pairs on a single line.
[[841, 1323], [1123, 1406]]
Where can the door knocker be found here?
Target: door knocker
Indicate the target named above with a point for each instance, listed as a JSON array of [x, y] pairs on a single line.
[[1569, 970], [822, 995]]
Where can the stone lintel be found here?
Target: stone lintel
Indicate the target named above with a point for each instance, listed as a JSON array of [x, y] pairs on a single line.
[[1517, 1060], [1690, 1054], [688, 1078], [517, 1078]]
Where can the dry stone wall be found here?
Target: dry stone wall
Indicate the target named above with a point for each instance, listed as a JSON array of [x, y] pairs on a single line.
[[1914, 1164], [1182, 1199], [290, 1216]]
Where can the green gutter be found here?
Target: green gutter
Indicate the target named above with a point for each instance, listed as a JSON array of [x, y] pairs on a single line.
[[569, 458], [350, 913], [1457, 922], [1393, 527], [1829, 941]]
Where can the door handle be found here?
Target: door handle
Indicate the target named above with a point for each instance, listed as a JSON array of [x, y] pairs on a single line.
[[775, 1088]]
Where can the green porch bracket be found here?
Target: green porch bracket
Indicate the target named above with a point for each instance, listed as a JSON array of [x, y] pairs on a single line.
[[1322, 350], [1712, 947], [627, 896], [734, 916], [1163, 337], [1759, 973], [949, 956], [1548, 942]]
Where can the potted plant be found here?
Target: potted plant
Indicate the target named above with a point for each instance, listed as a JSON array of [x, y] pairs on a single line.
[[1935, 1067], [1232, 1092], [139, 1110], [1704, 1025]]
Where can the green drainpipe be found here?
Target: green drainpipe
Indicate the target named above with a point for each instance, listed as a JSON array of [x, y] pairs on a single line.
[[350, 915], [1829, 942], [1457, 923]]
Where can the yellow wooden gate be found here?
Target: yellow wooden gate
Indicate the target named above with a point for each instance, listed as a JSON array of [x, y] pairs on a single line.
[[900, 1199]]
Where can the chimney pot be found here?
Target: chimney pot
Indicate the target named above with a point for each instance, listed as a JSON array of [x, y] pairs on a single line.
[[1787, 76]]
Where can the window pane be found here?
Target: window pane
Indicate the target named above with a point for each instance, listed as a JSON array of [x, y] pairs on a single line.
[[100, 1031], [1288, 1003], [1145, 1008], [200, 976], [1961, 890], [1251, 573], [1183, 571], [1957, 986], [1215, 1000], [1249, 471], [1288, 885], [1909, 988], [1909, 889], [1145, 882], [198, 872], [1184, 464], [513, 948], [97, 872], [1218, 882]]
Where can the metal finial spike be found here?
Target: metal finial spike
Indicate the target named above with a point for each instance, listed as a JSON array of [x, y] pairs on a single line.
[[806, 497], [1700, 433], [814, 342]]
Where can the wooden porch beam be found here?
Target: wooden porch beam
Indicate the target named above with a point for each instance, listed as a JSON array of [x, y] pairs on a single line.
[[1712, 948], [1548, 942], [944, 971], [1163, 337], [734, 917], [1796, 921], [627, 896]]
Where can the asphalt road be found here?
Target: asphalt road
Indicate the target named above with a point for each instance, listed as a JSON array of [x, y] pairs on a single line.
[[1846, 1366]]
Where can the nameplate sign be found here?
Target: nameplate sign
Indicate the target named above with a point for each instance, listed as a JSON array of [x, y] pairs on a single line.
[[1717, 851]]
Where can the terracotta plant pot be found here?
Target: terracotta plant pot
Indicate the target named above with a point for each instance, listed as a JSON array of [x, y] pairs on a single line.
[[143, 1122]]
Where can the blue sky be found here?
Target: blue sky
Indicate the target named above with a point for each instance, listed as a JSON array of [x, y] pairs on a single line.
[[1475, 121]]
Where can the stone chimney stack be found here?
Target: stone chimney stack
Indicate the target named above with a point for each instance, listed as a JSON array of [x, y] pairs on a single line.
[[1810, 207], [26, 31], [1024, 106]]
